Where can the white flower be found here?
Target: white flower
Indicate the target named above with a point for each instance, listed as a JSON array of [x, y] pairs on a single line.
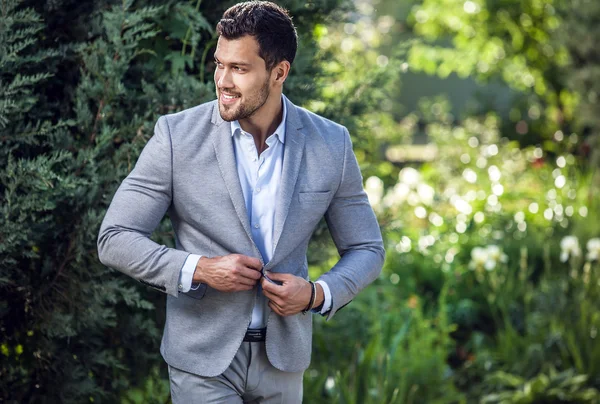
[[569, 246], [479, 257], [593, 249], [494, 250], [487, 257], [496, 253], [490, 265], [329, 383]]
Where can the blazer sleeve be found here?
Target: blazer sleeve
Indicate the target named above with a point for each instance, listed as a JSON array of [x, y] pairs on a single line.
[[356, 234], [136, 210]]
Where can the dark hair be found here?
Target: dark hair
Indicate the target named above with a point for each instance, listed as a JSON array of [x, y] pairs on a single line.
[[268, 23]]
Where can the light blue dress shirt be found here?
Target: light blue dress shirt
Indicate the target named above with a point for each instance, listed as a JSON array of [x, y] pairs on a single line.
[[260, 177]]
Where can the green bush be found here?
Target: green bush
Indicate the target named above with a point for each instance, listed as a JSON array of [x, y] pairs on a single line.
[[82, 85]]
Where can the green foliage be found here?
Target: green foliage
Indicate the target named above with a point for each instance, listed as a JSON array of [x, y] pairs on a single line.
[[580, 32], [154, 390], [68, 317], [553, 387], [355, 91], [541, 49], [486, 218], [508, 38], [518, 309], [18, 32], [400, 359], [474, 302], [514, 41]]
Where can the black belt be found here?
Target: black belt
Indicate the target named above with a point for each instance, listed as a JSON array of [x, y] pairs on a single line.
[[255, 335]]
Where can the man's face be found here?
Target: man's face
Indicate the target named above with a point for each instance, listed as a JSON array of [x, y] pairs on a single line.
[[241, 79]]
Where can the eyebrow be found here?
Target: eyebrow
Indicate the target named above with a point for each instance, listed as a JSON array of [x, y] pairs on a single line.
[[235, 63]]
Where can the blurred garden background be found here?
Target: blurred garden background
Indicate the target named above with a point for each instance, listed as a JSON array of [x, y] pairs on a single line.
[[477, 127]]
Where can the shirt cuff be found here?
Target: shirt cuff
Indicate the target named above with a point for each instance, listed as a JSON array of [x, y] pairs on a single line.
[[186, 275], [327, 301]]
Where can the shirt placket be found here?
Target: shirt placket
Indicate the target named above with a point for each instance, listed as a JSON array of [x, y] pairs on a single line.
[[256, 164]]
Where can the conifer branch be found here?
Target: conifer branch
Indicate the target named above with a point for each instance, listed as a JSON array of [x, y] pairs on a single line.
[[96, 121], [64, 262]]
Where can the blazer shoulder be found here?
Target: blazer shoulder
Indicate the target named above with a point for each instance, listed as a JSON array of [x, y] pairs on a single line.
[[186, 120], [330, 131], [309, 118]]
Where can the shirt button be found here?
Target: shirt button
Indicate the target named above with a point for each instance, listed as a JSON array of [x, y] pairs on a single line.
[[256, 226], [257, 189], [180, 286]]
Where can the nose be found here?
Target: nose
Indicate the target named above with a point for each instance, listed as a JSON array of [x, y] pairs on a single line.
[[223, 78]]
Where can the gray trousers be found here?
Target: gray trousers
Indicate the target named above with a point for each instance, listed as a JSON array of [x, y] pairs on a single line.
[[249, 379]]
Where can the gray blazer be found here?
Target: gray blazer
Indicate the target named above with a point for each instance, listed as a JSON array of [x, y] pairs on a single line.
[[188, 170]]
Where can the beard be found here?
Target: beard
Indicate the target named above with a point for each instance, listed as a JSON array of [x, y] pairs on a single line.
[[245, 109]]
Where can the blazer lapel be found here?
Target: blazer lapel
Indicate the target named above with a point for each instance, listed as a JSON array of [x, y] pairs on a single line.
[[223, 143], [292, 157]]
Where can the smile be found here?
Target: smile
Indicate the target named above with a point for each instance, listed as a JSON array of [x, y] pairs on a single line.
[[228, 99]]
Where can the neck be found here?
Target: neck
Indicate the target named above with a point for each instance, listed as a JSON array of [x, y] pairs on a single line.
[[263, 122]]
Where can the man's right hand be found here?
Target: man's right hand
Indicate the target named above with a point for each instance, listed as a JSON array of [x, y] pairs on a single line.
[[230, 273]]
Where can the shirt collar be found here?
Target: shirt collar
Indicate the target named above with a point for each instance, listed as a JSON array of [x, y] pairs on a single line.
[[279, 132]]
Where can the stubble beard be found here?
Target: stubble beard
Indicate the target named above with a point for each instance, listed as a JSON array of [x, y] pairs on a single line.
[[245, 109]]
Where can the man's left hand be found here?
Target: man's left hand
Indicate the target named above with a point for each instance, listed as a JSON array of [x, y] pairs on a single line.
[[289, 298]]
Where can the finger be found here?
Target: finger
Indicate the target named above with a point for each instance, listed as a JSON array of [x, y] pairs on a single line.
[[271, 287], [241, 274], [251, 262], [279, 303], [276, 308], [248, 273], [274, 298], [265, 291]]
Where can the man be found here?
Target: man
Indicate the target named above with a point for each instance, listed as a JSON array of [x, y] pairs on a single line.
[[245, 180]]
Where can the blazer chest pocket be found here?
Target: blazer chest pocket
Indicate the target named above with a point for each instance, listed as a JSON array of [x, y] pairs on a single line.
[[314, 197]]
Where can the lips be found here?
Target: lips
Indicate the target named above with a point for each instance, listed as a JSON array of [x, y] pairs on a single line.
[[228, 99]]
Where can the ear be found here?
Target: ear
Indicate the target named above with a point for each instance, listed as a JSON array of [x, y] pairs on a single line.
[[281, 71]]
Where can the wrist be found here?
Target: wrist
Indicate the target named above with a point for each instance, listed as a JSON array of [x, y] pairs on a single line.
[[199, 275], [320, 299]]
